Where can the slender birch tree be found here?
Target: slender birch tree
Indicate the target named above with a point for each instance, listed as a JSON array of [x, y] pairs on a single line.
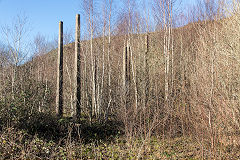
[[15, 36]]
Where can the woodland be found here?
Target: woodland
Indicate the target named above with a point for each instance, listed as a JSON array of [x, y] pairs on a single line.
[[154, 82]]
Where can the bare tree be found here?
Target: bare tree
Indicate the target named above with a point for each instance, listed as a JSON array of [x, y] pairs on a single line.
[[15, 37], [41, 47], [209, 9], [109, 57], [88, 7]]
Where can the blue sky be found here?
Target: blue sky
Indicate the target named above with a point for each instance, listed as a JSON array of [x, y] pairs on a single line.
[[44, 15]]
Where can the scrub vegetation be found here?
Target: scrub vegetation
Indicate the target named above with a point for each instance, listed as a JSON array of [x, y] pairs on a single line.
[[153, 83]]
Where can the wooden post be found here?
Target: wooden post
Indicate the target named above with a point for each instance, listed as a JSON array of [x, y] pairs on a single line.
[[59, 91], [77, 72]]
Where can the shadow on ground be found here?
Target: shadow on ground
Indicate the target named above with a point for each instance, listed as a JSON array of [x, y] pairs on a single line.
[[50, 127]]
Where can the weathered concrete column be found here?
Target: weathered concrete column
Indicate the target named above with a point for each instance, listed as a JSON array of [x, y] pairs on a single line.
[[59, 91], [77, 72]]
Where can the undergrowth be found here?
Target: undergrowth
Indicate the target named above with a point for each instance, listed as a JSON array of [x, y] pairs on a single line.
[[18, 144], [44, 136]]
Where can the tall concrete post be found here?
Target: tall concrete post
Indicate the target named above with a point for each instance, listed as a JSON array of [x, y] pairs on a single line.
[[77, 72], [59, 91]]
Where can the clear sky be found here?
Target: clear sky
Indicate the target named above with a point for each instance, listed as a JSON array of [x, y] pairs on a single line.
[[44, 15]]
